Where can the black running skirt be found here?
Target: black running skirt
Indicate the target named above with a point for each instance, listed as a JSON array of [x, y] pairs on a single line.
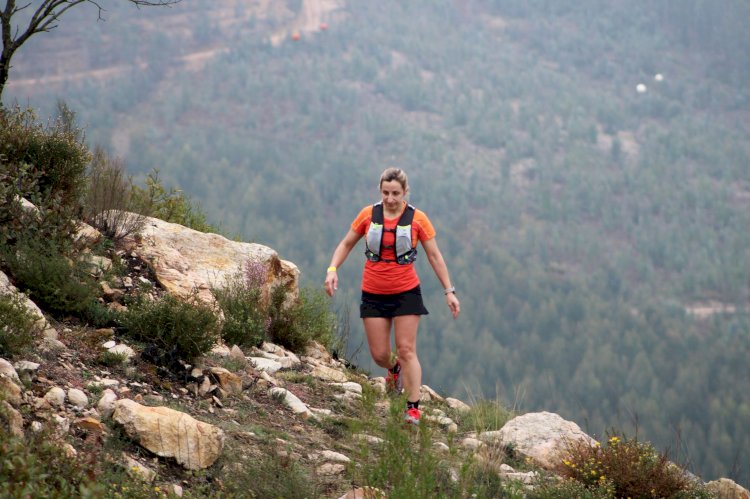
[[406, 303]]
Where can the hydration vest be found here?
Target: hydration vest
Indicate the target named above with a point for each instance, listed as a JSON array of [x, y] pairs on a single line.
[[406, 253]]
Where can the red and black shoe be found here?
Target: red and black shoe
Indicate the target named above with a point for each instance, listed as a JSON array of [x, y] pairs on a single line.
[[393, 382], [412, 416]]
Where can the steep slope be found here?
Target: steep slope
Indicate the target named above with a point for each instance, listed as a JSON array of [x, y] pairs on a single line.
[[584, 222]]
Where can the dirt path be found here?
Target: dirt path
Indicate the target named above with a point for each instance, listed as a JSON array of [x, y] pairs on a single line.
[[192, 62]]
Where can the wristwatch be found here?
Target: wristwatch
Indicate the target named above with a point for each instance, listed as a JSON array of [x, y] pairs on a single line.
[[452, 289]]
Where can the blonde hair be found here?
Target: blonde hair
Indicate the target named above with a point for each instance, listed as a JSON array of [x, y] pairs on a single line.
[[394, 174]]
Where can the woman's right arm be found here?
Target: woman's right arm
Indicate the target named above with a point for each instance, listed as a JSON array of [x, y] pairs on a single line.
[[339, 255]]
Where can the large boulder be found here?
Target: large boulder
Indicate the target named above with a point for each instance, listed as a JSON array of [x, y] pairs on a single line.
[[185, 260], [541, 436], [170, 433]]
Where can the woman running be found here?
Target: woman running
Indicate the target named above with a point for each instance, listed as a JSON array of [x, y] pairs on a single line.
[[391, 294]]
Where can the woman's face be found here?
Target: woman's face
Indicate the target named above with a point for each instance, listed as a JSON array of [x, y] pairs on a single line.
[[393, 195]]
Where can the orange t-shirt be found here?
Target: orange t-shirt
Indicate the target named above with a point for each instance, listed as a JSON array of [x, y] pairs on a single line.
[[387, 278]]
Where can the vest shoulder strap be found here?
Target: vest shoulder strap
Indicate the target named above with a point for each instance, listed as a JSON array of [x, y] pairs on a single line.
[[406, 218], [377, 213]]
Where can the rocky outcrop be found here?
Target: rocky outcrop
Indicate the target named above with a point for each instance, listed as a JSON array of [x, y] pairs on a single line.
[[170, 433], [186, 260], [541, 436], [724, 488]]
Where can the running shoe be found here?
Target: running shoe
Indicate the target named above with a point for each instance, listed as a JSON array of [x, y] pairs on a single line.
[[412, 416], [393, 382]]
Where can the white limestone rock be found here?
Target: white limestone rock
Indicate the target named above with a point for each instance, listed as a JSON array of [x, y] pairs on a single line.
[[78, 398], [291, 401], [541, 436], [263, 364], [186, 260], [106, 404], [170, 433], [55, 396]]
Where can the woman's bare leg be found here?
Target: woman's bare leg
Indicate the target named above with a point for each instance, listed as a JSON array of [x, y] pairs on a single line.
[[406, 347], [378, 331]]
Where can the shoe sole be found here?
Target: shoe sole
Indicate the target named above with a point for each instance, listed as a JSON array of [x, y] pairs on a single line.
[[411, 421]]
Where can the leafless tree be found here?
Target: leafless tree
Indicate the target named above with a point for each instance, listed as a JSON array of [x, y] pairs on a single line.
[[45, 18]]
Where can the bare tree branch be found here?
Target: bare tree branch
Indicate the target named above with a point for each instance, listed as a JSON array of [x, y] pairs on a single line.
[[44, 19]]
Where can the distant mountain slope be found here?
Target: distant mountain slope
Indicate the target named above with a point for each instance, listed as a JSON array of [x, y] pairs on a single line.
[[583, 221]]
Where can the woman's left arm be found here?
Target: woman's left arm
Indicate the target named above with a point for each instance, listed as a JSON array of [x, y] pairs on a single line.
[[441, 271]]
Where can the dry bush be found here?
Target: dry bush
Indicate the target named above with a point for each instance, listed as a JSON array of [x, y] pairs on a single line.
[[109, 204]]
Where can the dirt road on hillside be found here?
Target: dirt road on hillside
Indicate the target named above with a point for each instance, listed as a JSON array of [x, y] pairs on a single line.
[[312, 14]]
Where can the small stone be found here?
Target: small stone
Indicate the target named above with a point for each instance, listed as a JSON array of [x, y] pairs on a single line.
[[10, 391], [471, 443], [122, 349], [53, 345], [12, 418], [335, 457], [78, 398], [137, 470], [7, 370], [331, 469], [62, 425], [440, 446], [69, 450], [204, 387], [109, 344], [26, 366], [220, 350], [350, 386], [90, 424], [368, 438], [55, 396], [236, 353], [267, 365]]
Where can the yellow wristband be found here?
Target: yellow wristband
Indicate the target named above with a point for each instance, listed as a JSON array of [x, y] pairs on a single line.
[[332, 269]]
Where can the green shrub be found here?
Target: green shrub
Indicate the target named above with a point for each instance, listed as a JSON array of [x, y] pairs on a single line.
[[628, 468], [45, 165], [98, 315], [245, 317], [169, 205], [36, 466], [191, 327], [248, 321], [54, 283], [112, 359], [308, 319], [18, 329]]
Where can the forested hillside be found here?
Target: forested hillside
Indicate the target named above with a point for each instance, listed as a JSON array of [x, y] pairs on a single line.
[[597, 234]]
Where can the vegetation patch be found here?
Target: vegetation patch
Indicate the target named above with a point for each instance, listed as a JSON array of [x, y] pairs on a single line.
[[627, 467], [18, 329], [187, 328], [55, 283]]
